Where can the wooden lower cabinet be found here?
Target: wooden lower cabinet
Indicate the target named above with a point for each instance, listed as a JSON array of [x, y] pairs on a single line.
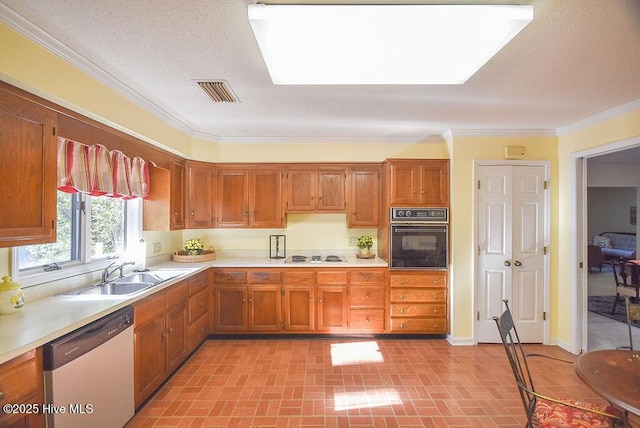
[[21, 382], [265, 308], [418, 302], [300, 300], [168, 326]]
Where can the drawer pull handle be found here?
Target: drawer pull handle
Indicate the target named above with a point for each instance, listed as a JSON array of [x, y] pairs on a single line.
[[402, 297], [1, 395], [250, 300], [367, 320], [435, 311], [435, 296], [319, 300], [401, 325], [170, 329], [435, 326], [402, 281], [402, 311], [436, 281], [229, 278], [366, 296], [366, 278], [201, 304]]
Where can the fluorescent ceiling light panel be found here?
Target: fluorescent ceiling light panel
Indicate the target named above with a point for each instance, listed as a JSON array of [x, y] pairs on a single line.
[[382, 44]]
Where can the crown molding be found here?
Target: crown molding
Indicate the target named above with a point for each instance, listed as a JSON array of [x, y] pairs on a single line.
[[600, 117], [451, 133], [321, 140]]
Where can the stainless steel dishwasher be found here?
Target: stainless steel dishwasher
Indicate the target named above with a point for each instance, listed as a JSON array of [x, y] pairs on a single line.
[[88, 374]]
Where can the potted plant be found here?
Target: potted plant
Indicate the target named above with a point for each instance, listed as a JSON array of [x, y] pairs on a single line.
[[365, 243]]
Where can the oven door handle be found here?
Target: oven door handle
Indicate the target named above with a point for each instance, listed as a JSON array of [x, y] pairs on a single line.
[[401, 229]]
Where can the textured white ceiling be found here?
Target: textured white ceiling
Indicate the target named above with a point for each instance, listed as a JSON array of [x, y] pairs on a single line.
[[578, 58]]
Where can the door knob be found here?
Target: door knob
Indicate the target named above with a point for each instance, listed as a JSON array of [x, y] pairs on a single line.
[[517, 263], [507, 263]]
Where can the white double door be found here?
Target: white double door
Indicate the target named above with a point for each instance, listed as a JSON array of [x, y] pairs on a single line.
[[512, 247]]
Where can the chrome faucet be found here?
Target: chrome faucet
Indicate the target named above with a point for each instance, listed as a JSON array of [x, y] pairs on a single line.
[[106, 273]]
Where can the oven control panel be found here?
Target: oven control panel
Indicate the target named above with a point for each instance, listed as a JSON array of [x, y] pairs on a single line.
[[435, 215]]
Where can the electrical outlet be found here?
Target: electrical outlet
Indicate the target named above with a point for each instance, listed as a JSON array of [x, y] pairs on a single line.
[[353, 241], [157, 247]]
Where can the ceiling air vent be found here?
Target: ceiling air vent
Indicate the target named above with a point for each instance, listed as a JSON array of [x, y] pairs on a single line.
[[219, 91]]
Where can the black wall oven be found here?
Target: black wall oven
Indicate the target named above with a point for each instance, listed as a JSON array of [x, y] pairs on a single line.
[[419, 238]]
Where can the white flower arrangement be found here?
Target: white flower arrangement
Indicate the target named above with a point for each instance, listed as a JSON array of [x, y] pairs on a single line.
[[194, 245], [365, 242]]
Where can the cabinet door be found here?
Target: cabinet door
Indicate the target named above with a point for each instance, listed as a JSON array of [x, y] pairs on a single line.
[[178, 174], [265, 198], [299, 308], [331, 190], [265, 308], [301, 190], [149, 358], [231, 308], [434, 183], [28, 185], [364, 198], [177, 332], [332, 308], [201, 197], [405, 183], [233, 191]]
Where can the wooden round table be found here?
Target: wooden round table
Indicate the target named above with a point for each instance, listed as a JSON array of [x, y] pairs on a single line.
[[614, 374]]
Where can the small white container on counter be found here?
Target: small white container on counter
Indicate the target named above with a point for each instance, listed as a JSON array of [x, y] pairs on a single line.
[[11, 296]]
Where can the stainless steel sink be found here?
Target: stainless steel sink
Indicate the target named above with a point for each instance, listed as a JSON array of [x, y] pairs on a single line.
[[129, 284]]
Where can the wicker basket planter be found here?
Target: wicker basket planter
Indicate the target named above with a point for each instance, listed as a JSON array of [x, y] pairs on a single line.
[[184, 257]]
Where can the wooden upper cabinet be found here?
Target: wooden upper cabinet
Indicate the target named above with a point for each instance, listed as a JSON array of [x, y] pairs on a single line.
[[177, 200], [250, 197], [419, 182], [28, 187], [164, 209], [320, 190], [233, 188], [265, 198], [200, 188], [364, 197]]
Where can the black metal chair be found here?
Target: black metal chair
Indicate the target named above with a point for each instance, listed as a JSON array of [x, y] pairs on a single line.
[[543, 411]]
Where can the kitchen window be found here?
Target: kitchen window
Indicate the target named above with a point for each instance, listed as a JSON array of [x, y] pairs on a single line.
[[91, 232]]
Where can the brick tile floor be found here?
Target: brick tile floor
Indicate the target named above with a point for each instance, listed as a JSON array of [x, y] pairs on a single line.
[[351, 383]]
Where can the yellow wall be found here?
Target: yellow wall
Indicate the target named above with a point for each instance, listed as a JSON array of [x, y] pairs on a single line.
[[464, 151]]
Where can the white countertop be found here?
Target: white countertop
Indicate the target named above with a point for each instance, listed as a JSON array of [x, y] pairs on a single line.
[[44, 320]]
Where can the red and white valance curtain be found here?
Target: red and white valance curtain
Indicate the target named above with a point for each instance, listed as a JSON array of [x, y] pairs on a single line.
[[99, 172]]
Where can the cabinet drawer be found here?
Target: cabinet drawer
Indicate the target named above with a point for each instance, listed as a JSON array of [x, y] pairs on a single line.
[[264, 277], [366, 277], [299, 278], [177, 294], [148, 309], [198, 305], [198, 332], [366, 296], [230, 277], [418, 295], [419, 280], [19, 378], [371, 320], [197, 284], [332, 277], [418, 325], [435, 310]]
